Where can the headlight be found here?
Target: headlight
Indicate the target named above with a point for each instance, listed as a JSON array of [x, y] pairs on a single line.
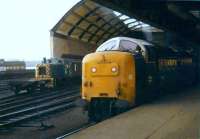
[[93, 69], [114, 69]]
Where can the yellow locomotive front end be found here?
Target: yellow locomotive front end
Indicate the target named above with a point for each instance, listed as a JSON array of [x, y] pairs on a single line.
[[108, 82], [109, 77], [43, 73], [52, 74]]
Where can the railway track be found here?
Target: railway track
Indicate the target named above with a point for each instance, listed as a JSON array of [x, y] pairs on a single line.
[[17, 111], [4, 85], [21, 96], [75, 130], [18, 99]]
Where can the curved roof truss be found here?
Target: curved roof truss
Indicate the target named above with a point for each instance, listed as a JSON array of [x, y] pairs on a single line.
[[93, 23]]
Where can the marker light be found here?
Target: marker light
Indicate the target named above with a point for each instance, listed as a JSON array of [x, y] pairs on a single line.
[[114, 69], [85, 84], [93, 69]]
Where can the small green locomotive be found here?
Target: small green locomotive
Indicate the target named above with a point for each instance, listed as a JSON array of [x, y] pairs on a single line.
[[52, 73], [59, 72]]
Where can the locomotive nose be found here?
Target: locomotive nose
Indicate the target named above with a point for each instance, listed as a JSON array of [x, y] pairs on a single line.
[[103, 81], [108, 75]]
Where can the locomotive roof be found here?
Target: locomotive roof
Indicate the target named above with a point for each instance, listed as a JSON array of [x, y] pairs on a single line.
[[108, 45], [71, 56], [137, 41]]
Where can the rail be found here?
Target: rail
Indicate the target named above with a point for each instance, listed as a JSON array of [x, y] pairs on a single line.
[[15, 113]]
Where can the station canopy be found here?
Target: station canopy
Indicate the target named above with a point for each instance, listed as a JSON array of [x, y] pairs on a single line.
[[94, 24]]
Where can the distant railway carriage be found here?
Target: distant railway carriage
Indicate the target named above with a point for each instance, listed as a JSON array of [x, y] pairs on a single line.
[[125, 71], [12, 65]]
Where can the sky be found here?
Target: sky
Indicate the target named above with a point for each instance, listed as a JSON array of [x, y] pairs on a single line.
[[25, 27]]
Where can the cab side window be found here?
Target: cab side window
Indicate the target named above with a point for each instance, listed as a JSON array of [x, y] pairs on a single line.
[[111, 45], [126, 45]]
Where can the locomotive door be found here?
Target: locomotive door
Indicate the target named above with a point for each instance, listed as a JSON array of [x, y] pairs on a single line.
[[152, 81]]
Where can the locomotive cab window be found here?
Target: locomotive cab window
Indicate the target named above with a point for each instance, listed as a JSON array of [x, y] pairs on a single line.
[[129, 46], [42, 70], [108, 46]]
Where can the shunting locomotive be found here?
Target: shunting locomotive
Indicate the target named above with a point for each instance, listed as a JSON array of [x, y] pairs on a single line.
[[52, 73], [60, 72], [125, 71]]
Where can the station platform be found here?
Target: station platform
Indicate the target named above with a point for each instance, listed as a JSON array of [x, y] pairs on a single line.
[[175, 116]]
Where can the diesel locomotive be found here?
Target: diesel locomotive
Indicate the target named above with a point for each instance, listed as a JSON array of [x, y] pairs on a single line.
[[51, 74], [123, 72], [57, 72]]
